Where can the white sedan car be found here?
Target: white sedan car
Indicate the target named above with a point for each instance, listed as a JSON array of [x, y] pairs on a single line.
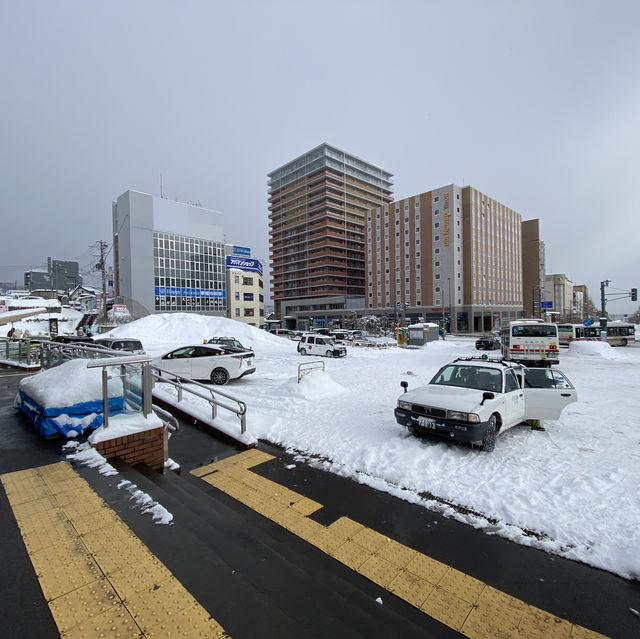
[[474, 399], [206, 362]]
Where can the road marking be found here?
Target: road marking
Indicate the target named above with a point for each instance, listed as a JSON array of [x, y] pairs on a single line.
[[461, 602], [98, 578]]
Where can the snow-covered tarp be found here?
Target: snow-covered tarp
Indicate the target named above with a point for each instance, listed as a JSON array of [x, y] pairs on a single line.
[[67, 400]]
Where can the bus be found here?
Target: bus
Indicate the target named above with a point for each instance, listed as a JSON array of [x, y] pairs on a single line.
[[618, 333], [531, 342], [568, 333]]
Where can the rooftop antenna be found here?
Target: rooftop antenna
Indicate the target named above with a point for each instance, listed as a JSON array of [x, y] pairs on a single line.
[[161, 196]]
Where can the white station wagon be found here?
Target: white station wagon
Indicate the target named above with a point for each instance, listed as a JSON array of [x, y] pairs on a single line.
[[206, 362], [474, 399]]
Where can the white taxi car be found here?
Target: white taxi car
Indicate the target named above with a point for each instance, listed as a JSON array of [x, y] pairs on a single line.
[[206, 362], [474, 399]]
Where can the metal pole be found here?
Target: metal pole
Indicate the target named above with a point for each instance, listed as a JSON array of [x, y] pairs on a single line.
[[451, 322], [105, 397]]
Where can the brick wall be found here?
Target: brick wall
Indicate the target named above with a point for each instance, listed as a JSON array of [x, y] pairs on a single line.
[[147, 447]]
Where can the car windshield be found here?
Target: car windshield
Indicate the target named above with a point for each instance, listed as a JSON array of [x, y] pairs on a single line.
[[476, 377]]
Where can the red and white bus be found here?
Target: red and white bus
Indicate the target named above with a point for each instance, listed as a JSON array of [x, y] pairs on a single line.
[[568, 333], [531, 342], [618, 333]]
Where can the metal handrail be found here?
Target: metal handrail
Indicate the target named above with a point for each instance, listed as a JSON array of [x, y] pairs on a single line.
[[307, 367], [49, 354], [172, 378]]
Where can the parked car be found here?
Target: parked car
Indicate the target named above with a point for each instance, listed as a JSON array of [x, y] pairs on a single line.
[[206, 362], [230, 344], [312, 344], [121, 344], [488, 343], [283, 332], [474, 399]]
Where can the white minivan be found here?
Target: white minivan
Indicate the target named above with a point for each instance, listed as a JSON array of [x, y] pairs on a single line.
[[313, 344]]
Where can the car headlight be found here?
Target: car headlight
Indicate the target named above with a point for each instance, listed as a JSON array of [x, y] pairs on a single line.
[[463, 417], [404, 405]]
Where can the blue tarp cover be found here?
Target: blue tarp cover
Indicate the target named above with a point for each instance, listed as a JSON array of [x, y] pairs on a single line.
[[49, 422]]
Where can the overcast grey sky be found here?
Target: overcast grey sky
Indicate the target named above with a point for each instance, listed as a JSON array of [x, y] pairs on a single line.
[[535, 103]]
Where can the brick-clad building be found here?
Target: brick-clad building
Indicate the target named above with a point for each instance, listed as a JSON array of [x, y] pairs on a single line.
[[452, 254]]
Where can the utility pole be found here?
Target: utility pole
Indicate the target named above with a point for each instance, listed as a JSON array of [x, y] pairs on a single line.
[[100, 266], [603, 301]]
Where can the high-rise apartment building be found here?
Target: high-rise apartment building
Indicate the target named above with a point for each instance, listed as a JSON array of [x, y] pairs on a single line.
[[317, 208], [452, 254]]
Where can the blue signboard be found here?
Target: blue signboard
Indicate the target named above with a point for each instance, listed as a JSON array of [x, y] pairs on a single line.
[[588, 321], [244, 264], [180, 291], [242, 250], [546, 304]]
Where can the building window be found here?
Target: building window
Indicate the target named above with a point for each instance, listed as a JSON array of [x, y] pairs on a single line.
[[247, 281], [237, 312], [237, 296], [248, 312], [248, 297], [236, 279]]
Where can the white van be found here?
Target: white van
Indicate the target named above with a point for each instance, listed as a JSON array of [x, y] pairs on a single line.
[[312, 344]]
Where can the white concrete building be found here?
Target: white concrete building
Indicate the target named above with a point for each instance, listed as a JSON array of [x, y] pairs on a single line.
[[168, 256]]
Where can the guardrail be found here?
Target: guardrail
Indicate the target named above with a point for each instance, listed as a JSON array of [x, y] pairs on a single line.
[[47, 354], [307, 367], [240, 408]]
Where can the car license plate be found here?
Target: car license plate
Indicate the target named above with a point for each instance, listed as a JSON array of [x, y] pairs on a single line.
[[426, 422]]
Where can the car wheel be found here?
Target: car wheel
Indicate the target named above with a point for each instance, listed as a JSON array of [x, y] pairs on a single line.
[[624, 342], [219, 376], [329, 353], [489, 439], [303, 351]]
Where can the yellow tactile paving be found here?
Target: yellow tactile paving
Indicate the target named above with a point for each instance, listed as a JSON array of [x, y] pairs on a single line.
[[457, 600], [99, 579]]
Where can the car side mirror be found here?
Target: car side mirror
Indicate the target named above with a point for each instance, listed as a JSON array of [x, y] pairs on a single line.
[[486, 395], [404, 385]]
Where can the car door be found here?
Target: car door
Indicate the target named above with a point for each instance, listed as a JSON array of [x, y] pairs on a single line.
[[311, 345], [204, 359], [178, 362], [514, 400], [547, 392]]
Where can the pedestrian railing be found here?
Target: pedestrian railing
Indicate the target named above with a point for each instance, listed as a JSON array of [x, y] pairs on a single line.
[[138, 376]]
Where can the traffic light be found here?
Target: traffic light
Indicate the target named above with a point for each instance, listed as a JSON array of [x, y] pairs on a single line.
[[634, 294]]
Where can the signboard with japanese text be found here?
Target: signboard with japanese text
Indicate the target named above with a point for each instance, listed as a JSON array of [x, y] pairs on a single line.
[[244, 264]]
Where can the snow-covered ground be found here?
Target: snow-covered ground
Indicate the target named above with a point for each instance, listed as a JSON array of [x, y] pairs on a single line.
[[571, 490]]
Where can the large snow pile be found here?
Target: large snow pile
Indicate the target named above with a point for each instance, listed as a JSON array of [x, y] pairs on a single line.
[[160, 333]]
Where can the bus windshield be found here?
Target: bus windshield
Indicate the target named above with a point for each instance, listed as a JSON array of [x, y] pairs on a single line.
[[534, 330]]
